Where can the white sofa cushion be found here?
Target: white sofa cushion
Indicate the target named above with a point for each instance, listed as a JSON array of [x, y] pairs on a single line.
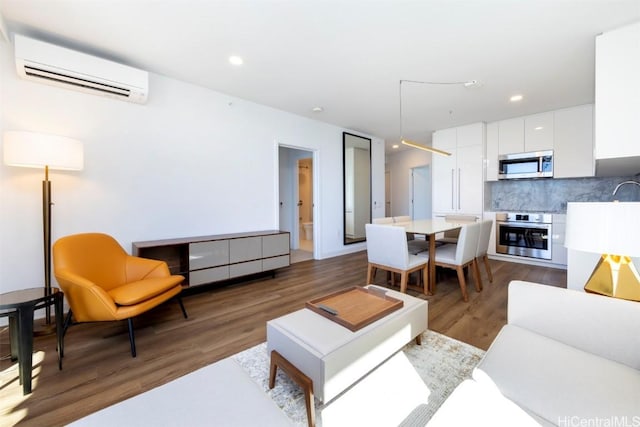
[[557, 381], [221, 394], [596, 324]]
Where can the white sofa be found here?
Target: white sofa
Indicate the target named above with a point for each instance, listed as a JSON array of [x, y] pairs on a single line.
[[220, 394], [564, 358]]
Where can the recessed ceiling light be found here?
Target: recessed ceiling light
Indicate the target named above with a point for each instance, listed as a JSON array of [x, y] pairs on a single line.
[[236, 60], [317, 109], [516, 98], [395, 146]]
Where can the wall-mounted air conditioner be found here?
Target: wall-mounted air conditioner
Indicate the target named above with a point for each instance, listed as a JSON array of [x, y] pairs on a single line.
[[59, 66]]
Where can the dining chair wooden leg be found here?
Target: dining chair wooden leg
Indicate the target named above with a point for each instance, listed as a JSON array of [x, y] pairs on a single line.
[[487, 266], [476, 274], [463, 283], [425, 279]]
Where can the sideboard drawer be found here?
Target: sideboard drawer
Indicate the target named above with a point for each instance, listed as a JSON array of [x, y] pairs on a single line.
[[275, 262], [246, 249], [244, 268], [208, 275], [208, 254], [275, 245]]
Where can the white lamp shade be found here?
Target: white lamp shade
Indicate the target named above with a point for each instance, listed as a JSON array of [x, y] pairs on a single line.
[[605, 228], [37, 150]]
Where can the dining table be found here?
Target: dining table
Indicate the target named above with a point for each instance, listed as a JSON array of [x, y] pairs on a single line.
[[429, 228]]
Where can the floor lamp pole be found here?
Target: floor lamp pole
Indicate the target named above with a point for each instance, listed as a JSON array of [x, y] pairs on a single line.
[[46, 226]]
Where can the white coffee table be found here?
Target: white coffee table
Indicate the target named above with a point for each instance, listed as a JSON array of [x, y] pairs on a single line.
[[331, 356]]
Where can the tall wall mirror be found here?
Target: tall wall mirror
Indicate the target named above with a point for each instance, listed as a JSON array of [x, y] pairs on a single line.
[[356, 160]]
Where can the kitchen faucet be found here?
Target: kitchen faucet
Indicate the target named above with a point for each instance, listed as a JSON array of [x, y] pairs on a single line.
[[623, 183]]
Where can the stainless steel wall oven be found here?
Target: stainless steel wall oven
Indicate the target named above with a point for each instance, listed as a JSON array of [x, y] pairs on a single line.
[[524, 234]]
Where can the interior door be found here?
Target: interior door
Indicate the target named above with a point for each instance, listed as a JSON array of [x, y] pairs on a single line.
[[420, 193]]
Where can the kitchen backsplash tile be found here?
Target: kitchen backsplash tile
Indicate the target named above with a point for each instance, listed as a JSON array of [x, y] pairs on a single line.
[[552, 195]]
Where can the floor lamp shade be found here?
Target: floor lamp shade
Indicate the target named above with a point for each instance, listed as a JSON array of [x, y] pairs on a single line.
[[37, 150], [613, 231]]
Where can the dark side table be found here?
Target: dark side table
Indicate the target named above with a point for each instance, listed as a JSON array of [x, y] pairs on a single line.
[[19, 307]]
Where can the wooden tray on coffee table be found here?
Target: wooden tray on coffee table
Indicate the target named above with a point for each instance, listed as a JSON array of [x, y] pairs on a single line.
[[355, 307]]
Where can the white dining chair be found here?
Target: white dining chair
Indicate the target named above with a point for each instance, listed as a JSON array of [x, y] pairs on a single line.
[[452, 236], [403, 218], [385, 220], [417, 244], [486, 227], [387, 250], [460, 255]]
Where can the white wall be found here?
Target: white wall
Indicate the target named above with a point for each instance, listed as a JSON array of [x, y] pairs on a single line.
[[400, 164], [189, 162]]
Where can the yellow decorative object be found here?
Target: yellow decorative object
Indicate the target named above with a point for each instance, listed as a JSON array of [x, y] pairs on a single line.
[[615, 276]]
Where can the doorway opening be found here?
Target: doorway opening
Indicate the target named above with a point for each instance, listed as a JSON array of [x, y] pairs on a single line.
[[297, 211]]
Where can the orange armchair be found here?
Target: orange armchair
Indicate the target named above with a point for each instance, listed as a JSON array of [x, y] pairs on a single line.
[[103, 283]]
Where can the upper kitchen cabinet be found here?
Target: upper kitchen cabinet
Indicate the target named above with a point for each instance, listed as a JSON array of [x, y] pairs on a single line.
[[511, 136], [491, 152], [538, 132], [524, 134], [617, 108], [568, 132], [573, 142], [457, 179]]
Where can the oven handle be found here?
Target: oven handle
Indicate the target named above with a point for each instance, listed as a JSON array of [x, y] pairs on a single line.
[[543, 225]]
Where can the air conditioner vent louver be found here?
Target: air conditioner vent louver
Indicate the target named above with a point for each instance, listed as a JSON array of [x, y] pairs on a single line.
[[61, 78], [58, 66]]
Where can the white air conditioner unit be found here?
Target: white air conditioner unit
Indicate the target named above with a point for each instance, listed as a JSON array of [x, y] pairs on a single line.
[[47, 63]]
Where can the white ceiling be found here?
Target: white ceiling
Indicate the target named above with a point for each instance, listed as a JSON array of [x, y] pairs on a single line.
[[348, 56]]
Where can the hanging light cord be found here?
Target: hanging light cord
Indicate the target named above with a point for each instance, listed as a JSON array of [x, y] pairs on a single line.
[[467, 83]]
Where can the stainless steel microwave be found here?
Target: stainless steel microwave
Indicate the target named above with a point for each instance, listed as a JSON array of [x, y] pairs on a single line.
[[537, 164]]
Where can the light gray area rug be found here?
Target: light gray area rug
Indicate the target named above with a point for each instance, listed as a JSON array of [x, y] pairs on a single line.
[[405, 390]]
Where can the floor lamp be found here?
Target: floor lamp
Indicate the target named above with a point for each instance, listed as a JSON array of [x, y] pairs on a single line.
[[37, 150], [612, 230]]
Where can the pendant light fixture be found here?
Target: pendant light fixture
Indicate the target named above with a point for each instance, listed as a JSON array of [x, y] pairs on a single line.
[[467, 84]]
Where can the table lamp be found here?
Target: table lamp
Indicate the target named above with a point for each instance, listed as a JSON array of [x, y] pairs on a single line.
[[613, 231], [37, 150]]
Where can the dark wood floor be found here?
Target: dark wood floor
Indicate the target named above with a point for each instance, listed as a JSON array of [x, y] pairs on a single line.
[[99, 371]]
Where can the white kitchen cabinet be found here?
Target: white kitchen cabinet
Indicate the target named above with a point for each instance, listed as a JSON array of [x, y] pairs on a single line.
[[558, 229], [511, 136], [491, 152], [524, 134], [568, 132], [457, 179], [617, 100], [538, 132], [573, 142]]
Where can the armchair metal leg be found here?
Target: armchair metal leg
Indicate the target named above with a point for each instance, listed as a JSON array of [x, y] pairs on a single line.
[[184, 312], [67, 323], [132, 339]]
